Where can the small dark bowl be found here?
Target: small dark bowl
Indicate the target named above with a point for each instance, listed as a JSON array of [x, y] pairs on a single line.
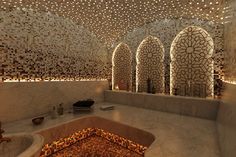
[[37, 120], [84, 103]]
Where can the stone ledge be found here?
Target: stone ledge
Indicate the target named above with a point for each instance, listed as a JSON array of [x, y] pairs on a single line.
[[190, 106]]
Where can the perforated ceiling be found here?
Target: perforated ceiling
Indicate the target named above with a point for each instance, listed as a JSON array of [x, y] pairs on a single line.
[[111, 19]]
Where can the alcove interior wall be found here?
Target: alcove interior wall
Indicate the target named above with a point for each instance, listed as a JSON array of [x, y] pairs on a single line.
[[122, 67], [191, 68], [150, 65]]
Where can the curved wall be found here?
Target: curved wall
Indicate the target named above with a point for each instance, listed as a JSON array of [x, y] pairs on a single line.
[[150, 64], [191, 68]]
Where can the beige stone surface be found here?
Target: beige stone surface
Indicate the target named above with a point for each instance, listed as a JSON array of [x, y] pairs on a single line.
[[197, 107], [22, 145], [20, 100], [226, 122], [137, 135], [175, 135]]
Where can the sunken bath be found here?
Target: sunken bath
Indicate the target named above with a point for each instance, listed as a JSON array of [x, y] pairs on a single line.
[[95, 136]]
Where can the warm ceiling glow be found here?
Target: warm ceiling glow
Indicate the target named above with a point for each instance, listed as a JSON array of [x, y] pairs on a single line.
[[111, 19]]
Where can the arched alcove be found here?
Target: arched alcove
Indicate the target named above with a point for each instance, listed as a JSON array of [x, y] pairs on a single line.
[[191, 68], [122, 67], [150, 58]]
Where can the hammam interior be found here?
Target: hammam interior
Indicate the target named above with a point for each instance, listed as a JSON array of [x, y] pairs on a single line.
[[117, 78]]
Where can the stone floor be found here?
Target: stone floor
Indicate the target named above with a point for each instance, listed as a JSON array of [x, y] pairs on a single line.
[[176, 135]]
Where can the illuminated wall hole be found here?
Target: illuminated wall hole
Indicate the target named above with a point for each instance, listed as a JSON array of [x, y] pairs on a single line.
[[191, 68], [150, 64], [122, 67]]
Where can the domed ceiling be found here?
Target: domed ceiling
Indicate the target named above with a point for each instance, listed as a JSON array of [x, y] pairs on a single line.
[[111, 19]]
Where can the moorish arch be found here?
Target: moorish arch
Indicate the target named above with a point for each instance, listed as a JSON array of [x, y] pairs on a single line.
[[122, 67], [150, 65], [191, 68]]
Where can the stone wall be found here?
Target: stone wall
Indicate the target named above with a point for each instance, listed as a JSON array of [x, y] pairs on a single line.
[[19, 100]]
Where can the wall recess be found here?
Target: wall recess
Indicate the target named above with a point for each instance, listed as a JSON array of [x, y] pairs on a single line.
[[191, 68], [150, 65], [122, 67]]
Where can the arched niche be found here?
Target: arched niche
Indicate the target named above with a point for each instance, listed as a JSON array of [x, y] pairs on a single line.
[[122, 67], [150, 65], [191, 68]]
